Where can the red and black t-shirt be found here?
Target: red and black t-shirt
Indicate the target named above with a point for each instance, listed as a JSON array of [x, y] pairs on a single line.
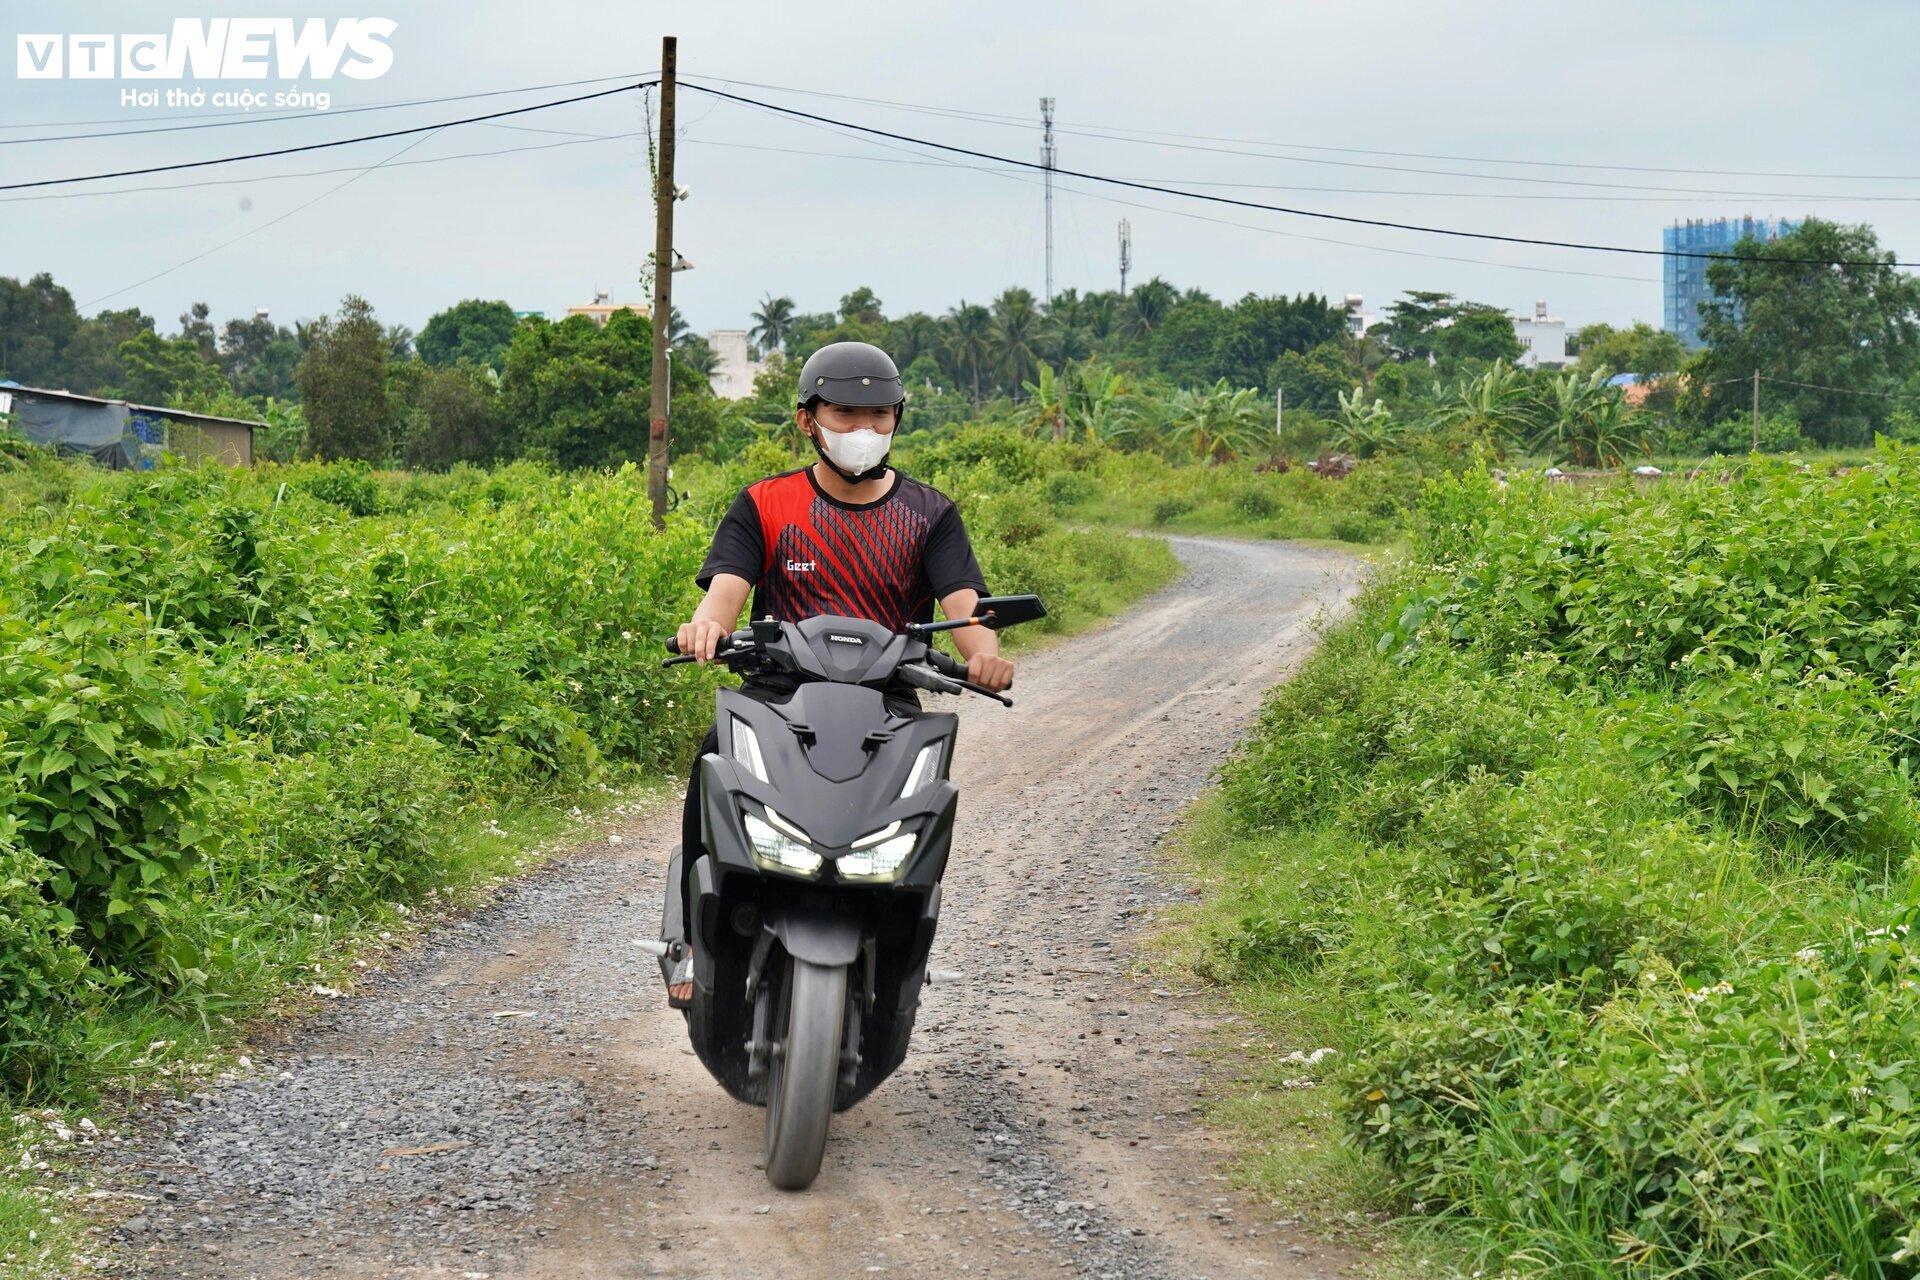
[[808, 553]]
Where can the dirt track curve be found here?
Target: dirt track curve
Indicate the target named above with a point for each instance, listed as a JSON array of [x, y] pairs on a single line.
[[1043, 1125]]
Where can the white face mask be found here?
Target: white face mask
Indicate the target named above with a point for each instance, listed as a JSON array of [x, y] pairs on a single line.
[[858, 450]]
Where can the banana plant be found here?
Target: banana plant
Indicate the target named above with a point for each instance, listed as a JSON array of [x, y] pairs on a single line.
[[1220, 423], [1363, 428]]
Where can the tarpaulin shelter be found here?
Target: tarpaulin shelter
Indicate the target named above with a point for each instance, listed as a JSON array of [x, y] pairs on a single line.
[[121, 435]]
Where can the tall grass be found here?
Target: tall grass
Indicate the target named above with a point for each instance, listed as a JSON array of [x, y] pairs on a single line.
[[1588, 845]]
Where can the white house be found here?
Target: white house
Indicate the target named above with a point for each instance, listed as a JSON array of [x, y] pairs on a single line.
[[1543, 339], [735, 368]]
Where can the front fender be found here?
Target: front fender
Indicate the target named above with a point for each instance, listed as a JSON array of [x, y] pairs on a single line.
[[816, 935]]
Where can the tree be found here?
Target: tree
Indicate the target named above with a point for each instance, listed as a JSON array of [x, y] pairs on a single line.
[[198, 329], [1478, 333], [1147, 306], [1016, 337], [1850, 335], [472, 332], [1583, 420], [970, 344], [1184, 344], [575, 394], [343, 386], [1314, 379], [862, 306], [1412, 320], [37, 322], [772, 324], [259, 357], [454, 418], [1642, 350], [167, 371], [1220, 423], [1258, 329]]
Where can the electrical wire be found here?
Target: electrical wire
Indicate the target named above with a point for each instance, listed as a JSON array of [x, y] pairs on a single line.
[[227, 120], [320, 146], [321, 173], [1023, 122], [251, 231], [1016, 176], [1276, 186], [1384, 223]]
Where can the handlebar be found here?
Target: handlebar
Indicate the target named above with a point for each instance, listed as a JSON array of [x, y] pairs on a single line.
[[950, 674]]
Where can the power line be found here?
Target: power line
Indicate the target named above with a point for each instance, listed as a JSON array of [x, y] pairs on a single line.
[[255, 230], [1295, 212], [227, 119], [918, 158], [320, 146], [322, 173], [989, 117]]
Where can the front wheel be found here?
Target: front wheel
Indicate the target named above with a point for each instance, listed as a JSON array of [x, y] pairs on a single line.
[[805, 1072]]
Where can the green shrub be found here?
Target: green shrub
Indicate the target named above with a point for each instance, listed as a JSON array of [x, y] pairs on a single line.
[[1170, 508], [348, 485]]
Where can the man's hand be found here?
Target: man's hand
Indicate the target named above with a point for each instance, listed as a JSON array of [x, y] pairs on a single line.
[[991, 671], [698, 639]]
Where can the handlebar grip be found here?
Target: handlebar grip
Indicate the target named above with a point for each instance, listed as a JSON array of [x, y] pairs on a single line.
[[946, 666], [725, 644], [673, 644]]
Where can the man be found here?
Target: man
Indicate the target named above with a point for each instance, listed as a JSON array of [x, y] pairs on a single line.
[[847, 535]]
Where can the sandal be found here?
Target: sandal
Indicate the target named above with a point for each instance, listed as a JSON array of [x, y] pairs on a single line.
[[680, 985]]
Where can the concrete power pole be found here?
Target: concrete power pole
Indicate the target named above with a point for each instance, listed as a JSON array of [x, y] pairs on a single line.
[[1756, 411], [1126, 254], [663, 198], [1047, 158]]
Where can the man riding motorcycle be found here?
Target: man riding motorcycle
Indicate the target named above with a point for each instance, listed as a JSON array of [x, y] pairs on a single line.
[[848, 536]]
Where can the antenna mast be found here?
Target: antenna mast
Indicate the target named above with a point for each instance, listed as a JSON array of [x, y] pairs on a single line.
[[1047, 159], [1126, 253]]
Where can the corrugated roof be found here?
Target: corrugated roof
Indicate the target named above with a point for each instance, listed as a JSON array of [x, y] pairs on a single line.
[[161, 410]]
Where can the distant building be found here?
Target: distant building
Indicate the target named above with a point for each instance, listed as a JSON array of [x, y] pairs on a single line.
[[734, 368], [1685, 279], [123, 436], [1359, 319], [1543, 339], [601, 309]]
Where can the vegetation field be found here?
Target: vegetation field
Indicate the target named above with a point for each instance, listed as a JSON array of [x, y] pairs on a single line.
[[247, 718], [1586, 846]]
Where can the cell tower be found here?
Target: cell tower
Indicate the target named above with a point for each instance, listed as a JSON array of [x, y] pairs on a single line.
[[1046, 159], [1126, 253]]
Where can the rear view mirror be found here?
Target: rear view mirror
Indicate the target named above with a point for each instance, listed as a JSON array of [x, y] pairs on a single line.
[[1009, 611]]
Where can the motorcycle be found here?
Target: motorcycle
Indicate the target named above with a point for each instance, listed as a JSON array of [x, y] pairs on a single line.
[[826, 822]]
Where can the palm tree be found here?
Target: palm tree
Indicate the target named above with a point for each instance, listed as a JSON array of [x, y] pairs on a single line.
[[1583, 420], [1046, 404], [1495, 404], [1147, 307], [969, 343], [1220, 423], [1101, 311], [772, 324], [913, 335], [1016, 334], [1362, 428]]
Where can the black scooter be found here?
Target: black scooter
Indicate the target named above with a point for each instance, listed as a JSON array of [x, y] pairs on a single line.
[[826, 821]]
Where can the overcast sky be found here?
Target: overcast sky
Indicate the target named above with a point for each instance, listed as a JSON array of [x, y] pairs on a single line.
[[1771, 88]]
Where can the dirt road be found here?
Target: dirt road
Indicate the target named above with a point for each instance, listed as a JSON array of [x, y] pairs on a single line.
[[514, 1100]]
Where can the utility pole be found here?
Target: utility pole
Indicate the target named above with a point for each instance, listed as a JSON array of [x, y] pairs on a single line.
[[1126, 254], [1756, 411], [1279, 417], [1046, 159], [663, 198]]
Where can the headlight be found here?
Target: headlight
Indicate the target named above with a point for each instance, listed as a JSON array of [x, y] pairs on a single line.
[[878, 856], [926, 768], [746, 749], [777, 850]]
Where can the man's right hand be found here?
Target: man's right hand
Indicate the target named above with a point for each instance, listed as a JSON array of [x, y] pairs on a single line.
[[698, 639]]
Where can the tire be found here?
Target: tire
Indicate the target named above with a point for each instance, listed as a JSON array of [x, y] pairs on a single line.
[[802, 1081]]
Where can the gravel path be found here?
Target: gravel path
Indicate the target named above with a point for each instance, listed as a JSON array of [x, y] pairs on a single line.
[[1044, 1123]]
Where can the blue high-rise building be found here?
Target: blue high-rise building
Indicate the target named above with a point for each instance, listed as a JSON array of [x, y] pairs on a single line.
[[1686, 278]]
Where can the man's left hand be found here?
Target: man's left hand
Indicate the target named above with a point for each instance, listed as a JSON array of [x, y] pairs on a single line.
[[990, 670]]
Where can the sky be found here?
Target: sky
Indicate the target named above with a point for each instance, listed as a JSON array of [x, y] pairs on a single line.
[[1599, 122]]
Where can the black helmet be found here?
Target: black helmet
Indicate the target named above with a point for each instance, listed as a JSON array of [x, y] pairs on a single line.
[[850, 373]]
